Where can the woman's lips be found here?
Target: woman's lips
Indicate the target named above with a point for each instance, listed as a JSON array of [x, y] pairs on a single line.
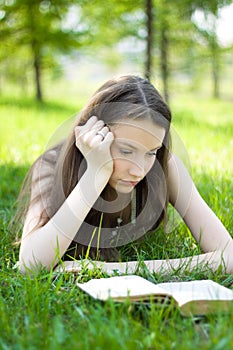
[[134, 183], [129, 183]]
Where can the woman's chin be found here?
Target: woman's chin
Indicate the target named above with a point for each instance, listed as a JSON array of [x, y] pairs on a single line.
[[123, 188]]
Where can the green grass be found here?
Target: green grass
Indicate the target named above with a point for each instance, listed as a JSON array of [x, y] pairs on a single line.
[[48, 312]]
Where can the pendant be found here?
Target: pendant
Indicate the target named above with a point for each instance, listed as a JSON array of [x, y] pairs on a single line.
[[119, 221]]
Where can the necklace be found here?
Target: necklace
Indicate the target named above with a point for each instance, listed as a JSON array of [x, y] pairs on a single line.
[[132, 216]]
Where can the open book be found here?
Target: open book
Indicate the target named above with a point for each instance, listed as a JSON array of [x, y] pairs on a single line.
[[193, 297]]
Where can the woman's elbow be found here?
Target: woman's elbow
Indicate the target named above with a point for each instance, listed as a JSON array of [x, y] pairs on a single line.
[[227, 258], [29, 264]]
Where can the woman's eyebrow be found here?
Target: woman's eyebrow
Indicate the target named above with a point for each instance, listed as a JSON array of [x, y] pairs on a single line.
[[156, 148], [125, 143]]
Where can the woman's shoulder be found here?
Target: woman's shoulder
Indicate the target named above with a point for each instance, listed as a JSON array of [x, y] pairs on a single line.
[[46, 163], [176, 166], [173, 163], [48, 158], [180, 183], [51, 155]]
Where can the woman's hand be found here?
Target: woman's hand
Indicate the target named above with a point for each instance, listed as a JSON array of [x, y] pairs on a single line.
[[94, 140]]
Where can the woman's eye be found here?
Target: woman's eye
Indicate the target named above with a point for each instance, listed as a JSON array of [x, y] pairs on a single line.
[[125, 151], [152, 154]]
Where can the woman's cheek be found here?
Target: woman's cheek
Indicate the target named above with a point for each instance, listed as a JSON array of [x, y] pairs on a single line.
[[149, 166]]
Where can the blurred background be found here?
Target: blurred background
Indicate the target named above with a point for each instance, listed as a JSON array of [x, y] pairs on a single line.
[[64, 49]]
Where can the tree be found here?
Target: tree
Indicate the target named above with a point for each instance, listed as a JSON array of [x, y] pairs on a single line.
[[208, 31], [174, 28], [39, 26], [212, 51], [149, 37]]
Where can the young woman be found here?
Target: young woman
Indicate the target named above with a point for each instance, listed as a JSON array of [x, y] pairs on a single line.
[[109, 183]]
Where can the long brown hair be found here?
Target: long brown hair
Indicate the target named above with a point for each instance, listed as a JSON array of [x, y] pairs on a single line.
[[125, 97]]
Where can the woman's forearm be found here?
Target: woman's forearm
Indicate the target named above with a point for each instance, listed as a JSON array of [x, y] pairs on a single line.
[[45, 245], [212, 260]]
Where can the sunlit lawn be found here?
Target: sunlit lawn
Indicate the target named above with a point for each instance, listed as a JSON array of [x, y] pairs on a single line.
[[48, 313]]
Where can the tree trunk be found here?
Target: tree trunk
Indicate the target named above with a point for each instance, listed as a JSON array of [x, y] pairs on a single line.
[[36, 65], [35, 47], [164, 61], [149, 39], [215, 67], [215, 54]]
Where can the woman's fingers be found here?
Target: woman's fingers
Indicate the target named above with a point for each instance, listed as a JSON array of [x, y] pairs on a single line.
[[99, 136], [97, 130], [94, 140], [92, 133], [89, 124], [91, 127], [109, 137]]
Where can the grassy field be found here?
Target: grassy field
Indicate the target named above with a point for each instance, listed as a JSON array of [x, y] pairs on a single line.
[[48, 312]]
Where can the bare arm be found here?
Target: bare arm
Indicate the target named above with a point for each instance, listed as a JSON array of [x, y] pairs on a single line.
[[155, 266], [42, 246], [206, 228], [204, 225]]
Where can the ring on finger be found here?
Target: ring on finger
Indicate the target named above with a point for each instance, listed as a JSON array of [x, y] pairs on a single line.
[[101, 134]]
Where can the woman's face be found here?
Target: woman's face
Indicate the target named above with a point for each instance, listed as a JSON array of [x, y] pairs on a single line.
[[134, 152]]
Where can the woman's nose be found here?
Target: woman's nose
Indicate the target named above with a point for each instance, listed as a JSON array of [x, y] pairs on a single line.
[[137, 170]]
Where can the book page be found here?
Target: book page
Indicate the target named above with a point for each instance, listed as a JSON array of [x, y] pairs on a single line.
[[205, 290], [193, 297], [121, 287]]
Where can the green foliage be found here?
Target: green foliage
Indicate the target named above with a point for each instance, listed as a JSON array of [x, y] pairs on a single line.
[[48, 311], [34, 35], [34, 32], [207, 5]]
